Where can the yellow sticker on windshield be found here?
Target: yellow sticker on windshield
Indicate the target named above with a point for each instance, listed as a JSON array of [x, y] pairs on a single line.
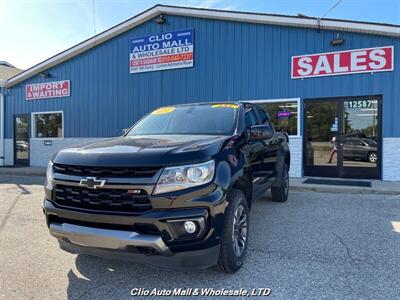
[[163, 110], [234, 106]]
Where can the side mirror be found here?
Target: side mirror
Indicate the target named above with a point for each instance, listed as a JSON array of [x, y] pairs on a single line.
[[261, 132], [124, 131]]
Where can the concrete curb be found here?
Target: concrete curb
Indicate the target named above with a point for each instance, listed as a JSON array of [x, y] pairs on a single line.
[[378, 187], [343, 190], [23, 171]]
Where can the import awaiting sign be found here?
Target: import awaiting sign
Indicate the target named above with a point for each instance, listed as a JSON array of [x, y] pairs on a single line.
[[44, 90], [169, 50], [366, 60]]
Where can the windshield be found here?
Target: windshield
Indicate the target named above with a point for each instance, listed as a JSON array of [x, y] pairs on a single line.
[[369, 142], [212, 119]]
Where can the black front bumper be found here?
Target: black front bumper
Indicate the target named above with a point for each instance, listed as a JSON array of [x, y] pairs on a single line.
[[118, 236], [198, 259]]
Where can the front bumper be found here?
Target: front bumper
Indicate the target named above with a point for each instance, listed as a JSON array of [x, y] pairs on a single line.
[[116, 235], [107, 239], [116, 244], [198, 259]]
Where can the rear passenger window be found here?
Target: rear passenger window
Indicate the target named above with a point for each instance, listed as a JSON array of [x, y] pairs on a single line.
[[263, 116], [250, 117]]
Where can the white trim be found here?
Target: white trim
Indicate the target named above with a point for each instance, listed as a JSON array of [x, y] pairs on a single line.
[[342, 25], [2, 114], [347, 25], [279, 100], [341, 73], [33, 125]]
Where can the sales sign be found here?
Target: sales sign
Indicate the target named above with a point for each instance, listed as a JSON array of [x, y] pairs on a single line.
[[366, 60], [164, 51], [44, 90]]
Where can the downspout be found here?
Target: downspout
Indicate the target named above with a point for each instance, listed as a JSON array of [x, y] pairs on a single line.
[[2, 91]]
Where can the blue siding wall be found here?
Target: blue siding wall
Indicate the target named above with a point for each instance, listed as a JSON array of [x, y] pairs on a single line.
[[233, 61]]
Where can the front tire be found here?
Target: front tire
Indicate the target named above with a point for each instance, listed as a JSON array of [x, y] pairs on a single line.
[[234, 238], [280, 193], [372, 157]]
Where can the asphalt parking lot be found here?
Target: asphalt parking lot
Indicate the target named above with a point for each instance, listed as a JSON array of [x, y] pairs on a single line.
[[333, 246]]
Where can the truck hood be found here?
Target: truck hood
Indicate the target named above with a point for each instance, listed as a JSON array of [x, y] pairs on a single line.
[[155, 150]]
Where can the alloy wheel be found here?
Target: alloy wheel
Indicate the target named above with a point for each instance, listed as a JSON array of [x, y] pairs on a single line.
[[373, 157], [239, 231]]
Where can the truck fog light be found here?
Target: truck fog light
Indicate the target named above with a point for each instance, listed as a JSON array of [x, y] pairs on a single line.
[[190, 227]]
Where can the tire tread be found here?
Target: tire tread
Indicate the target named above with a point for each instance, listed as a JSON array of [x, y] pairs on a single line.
[[278, 193], [227, 261]]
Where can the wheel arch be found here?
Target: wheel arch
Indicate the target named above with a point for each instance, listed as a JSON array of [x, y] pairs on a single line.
[[244, 183]]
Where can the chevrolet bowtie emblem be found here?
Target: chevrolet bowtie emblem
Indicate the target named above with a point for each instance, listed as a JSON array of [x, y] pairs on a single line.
[[92, 182]]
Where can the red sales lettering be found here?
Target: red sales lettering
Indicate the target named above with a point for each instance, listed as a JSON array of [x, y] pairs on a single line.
[[343, 62]]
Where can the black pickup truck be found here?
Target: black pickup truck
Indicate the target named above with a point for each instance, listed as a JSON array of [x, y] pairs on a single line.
[[174, 191]]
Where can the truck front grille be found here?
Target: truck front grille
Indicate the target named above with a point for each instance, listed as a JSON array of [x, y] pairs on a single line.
[[133, 172], [106, 200]]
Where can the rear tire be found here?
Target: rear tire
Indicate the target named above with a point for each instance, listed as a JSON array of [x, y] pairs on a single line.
[[281, 193], [234, 238]]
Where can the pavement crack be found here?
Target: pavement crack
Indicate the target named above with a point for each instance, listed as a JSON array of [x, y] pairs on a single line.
[[351, 257], [90, 289]]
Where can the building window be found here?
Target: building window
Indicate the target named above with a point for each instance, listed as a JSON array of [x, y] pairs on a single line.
[[284, 114], [47, 125]]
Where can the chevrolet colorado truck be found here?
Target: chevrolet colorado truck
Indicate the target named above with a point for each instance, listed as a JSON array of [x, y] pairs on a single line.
[[173, 191]]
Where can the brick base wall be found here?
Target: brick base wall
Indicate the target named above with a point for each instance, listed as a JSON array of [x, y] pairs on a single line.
[[391, 159], [296, 152], [8, 152], [41, 154]]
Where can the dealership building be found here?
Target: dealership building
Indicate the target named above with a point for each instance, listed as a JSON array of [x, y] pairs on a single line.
[[332, 85]]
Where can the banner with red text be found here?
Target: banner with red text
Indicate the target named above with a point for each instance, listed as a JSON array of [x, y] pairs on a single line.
[[163, 51], [44, 90], [366, 60]]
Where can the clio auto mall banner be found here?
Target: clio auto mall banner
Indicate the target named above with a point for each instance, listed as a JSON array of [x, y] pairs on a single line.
[[365, 60], [164, 51]]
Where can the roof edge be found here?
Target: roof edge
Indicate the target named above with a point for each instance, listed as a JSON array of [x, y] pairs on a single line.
[[250, 17]]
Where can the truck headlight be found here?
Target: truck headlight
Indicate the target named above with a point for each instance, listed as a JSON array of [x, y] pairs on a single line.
[[49, 176], [183, 177]]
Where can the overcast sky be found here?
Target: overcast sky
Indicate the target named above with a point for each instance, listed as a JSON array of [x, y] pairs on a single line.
[[33, 30]]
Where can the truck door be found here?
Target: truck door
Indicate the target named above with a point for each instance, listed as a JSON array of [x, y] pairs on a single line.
[[260, 169], [271, 146]]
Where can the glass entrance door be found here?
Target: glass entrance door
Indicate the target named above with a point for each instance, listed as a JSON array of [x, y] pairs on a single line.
[[342, 137], [21, 140], [320, 146], [360, 138]]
